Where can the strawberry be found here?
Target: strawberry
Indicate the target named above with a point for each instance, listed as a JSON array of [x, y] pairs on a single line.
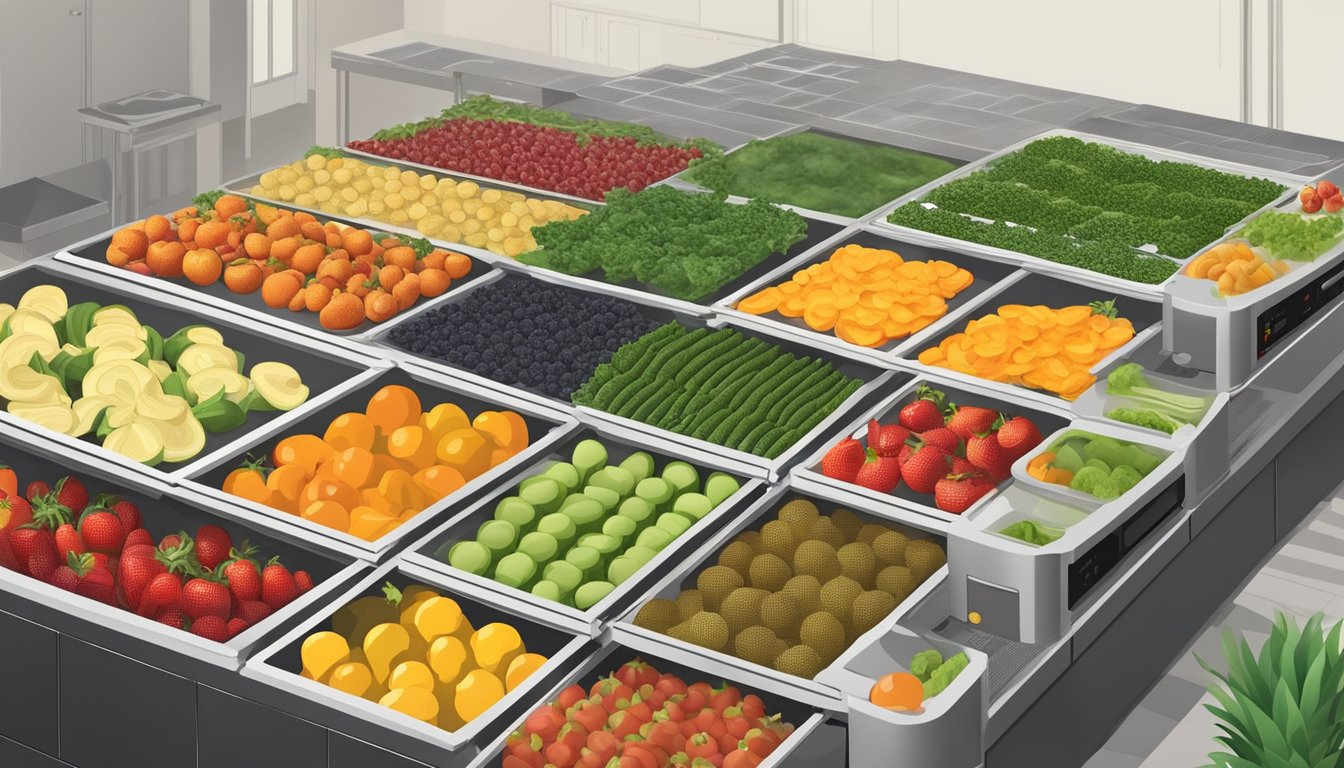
[[923, 414], [886, 439], [203, 597], [985, 454], [303, 580], [14, 512], [277, 585], [68, 541], [1312, 204], [211, 628], [7, 558], [29, 540], [123, 509], [137, 536], [243, 578], [1017, 436], [880, 473], [163, 592], [135, 573], [956, 493], [178, 552], [213, 545], [235, 627], [36, 490], [65, 578], [71, 494], [252, 611], [924, 468], [943, 438], [967, 420], [43, 562], [102, 531], [174, 540], [173, 617], [958, 465], [95, 581], [843, 460], [1326, 190]]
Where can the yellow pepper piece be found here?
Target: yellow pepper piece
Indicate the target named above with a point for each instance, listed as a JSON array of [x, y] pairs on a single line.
[[411, 674], [477, 692], [439, 616], [352, 678], [383, 643], [413, 702], [449, 659], [321, 652], [522, 668], [495, 646]]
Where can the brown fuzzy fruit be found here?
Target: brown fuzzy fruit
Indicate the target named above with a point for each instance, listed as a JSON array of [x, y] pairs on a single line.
[[923, 557], [837, 598], [758, 645], [806, 590], [816, 558], [737, 556], [897, 581], [825, 633], [714, 584], [689, 603], [658, 616], [870, 608], [705, 629], [858, 563], [849, 523], [800, 661], [770, 573], [782, 614], [778, 539], [824, 530], [890, 547], [799, 514], [742, 608], [869, 533]]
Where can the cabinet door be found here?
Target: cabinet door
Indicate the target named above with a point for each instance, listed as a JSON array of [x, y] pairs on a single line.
[[754, 18], [574, 34], [837, 25], [1310, 103], [620, 43]]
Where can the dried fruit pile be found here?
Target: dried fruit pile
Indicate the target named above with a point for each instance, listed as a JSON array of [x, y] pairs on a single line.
[[684, 244], [1035, 346], [98, 547], [956, 453], [416, 652], [720, 386], [638, 717], [346, 275], [795, 594], [371, 471], [1236, 268], [94, 370], [435, 206], [525, 333], [867, 296], [542, 148], [576, 530]]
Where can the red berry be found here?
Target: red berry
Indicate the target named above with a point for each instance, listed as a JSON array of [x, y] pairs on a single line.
[[925, 467], [102, 531], [844, 460], [213, 545], [211, 628], [277, 586], [956, 493], [881, 474]]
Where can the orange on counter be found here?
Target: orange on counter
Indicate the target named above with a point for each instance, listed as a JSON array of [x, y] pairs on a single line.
[[344, 274], [867, 296], [372, 471], [1035, 346], [1235, 267], [898, 691]]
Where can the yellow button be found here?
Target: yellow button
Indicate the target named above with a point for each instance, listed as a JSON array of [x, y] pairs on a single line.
[[973, 617]]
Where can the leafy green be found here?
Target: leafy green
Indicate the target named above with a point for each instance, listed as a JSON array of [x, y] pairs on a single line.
[[818, 172], [1129, 381], [1147, 419], [684, 244], [1032, 532], [733, 395], [328, 152], [1091, 206], [1284, 709], [1292, 237], [205, 201], [484, 107]]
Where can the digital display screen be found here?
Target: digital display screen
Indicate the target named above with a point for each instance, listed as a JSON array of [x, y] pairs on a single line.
[[1279, 321]]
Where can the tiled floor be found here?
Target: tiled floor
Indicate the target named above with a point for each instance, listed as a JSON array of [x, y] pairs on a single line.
[[1171, 728]]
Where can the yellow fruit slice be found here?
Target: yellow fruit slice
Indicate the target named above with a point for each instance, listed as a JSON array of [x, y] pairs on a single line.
[[495, 645], [522, 668], [321, 652], [352, 678], [413, 702], [477, 692], [383, 643]]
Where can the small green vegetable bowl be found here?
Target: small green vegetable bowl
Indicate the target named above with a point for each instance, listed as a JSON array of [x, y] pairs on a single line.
[[1102, 467]]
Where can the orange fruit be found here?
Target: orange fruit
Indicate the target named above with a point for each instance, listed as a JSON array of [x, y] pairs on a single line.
[[165, 258], [278, 290], [401, 492], [499, 456], [117, 257], [243, 276], [329, 490], [303, 217], [267, 213], [202, 266], [159, 228], [357, 285], [338, 269], [257, 246], [186, 230], [299, 302], [357, 241], [313, 231], [282, 250], [343, 312], [212, 234], [230, 205], [248, 482], [900, 691], [465, 450], [393, 406], [434, 260], [333, 240], [407, 292], [370, 524], [434, 282], [354, 466], [286, 484], [401, 256], [316, 296], [439, 480], [505, 429], [379, 306], [444, 418], [132, 242], [457, 265], [389, 276], [283, 227], [412, 444], [308, 258], [328, 513], [308, 451]]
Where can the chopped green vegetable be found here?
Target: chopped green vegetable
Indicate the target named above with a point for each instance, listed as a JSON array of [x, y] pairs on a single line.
[[1293, 237], [1032, 532], [1129, 381], [684, 244], [923, 664], [943, 676], [818, 172], [327, 152], [1144, 418]]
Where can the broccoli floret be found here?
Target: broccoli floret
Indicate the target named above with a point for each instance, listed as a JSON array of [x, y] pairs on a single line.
[[1106, 489], [1143, 418], [924, 663], [1126, 478], [1087, 478], [943, 676], [1129, 381]]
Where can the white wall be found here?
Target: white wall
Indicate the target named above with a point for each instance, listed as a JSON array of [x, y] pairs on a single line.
[[522, 24], [340, 22], [138, 45]]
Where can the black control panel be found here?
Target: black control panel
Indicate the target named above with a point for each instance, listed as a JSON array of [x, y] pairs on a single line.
[[1093, 565], [1279, 321]]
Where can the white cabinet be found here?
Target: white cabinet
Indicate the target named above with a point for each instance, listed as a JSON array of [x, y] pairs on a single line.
[[1308, 97], [752, 18], [574, 34], [1185, 55], [837, 25]]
